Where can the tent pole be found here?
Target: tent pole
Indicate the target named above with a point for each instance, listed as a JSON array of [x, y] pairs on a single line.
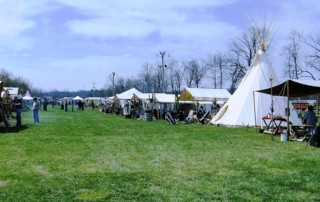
[[254, 109], [318, 104], [288, 111]]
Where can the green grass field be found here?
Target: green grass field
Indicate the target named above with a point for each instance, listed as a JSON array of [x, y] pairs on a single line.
[[91, 156]]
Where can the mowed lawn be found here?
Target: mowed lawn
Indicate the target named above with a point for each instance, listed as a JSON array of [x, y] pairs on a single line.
[[91, 156]]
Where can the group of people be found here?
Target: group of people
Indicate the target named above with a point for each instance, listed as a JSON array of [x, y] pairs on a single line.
[[65, 103], [201, 114], [36, 106]]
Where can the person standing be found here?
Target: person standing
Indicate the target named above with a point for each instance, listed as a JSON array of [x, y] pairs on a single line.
[[310, 119], [35, 108], [215, 108], [65, 105], [72, 105], [45, 104], [92, 105], [18, 106]]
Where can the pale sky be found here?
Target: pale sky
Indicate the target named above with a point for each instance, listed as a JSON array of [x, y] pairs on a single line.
[[71, 44]]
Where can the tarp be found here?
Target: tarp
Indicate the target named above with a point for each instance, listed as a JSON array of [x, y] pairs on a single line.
[[294, 88]]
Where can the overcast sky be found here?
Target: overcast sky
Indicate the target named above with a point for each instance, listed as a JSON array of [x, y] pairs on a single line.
[[75, 44]]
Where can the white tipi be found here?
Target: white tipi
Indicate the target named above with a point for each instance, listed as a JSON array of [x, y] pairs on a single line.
[[247, 107]]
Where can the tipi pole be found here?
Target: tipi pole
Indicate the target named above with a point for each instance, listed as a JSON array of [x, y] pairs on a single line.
[[288, 110], [254, 109]]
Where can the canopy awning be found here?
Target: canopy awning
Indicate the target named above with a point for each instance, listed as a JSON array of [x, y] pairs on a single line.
[[294, 88]]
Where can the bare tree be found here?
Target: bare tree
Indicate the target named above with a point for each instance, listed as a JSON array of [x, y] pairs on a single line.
[[313, 58], [237, 72], [242, 52], [193, 73], [188, 74], [147, 77], [293, 57], [172, 66], [120, 85], [200, 73], [217, 65], [178, 77], [157, 80]]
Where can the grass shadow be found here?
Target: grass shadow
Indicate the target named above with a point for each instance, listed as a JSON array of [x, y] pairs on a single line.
[[12, 129]]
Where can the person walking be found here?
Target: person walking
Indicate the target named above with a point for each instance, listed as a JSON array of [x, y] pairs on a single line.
[[35, 108]]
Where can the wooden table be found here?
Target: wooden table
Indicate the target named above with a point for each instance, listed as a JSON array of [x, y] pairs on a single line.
[[275, 121]]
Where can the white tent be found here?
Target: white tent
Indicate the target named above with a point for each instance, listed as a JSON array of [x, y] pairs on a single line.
[[120, 99], [27, 99], [164, 101], [13, 91], [145, 97], [203, 94], [204, 97], [27, 96], [246, 108], [127, 95], [77, 98], [164, 98]]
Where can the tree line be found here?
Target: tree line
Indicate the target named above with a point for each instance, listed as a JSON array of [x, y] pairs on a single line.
[[219, 70], [224, 69]]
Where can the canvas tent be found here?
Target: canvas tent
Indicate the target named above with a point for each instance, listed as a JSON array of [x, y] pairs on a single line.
[[204, 97], [27, 96], [127, 95], [27, 99], [13, 91], [142, 102], [164, 101], [120, 100], [154, 101], [164, 98], [245, 109], [78, 98], [203, 94]]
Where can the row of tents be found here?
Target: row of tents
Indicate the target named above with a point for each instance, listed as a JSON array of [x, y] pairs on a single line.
[[194, 97], [259, 94]]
